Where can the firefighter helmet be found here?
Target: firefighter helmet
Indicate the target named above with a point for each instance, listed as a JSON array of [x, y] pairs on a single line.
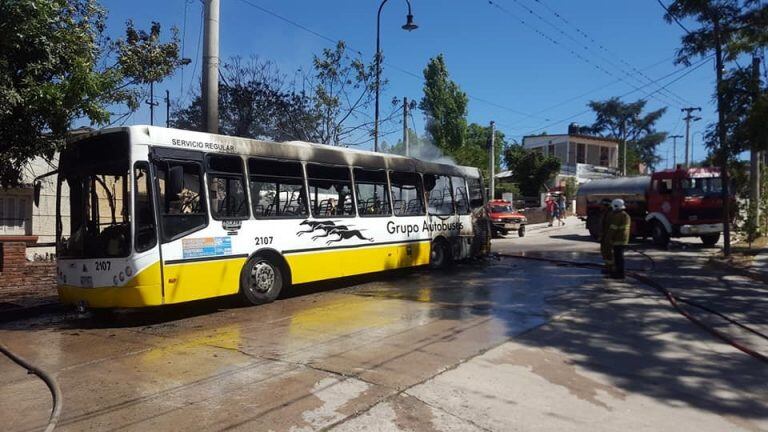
[[618, 204]]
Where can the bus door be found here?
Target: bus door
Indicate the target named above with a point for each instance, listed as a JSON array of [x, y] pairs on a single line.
[[182, 212], [442, 217], [145, 274]]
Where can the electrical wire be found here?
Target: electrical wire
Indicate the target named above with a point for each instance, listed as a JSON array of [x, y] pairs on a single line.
[[607, 55], [689, 69], [666, 9]]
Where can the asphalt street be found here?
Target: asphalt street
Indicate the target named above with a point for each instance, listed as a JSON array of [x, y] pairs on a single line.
[[499, 344]]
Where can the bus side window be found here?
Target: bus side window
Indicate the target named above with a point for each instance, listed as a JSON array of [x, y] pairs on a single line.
[[330, 190], [439, 196], [475, 193], [460, 193], [146, 232], [277, 189], [226, 187], [407, 194], [372, 195], [183, 211]]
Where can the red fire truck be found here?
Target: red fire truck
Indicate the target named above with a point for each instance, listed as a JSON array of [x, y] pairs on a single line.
[[672, 203]]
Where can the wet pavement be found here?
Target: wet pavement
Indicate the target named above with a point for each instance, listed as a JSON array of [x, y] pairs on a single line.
[[502, 344]]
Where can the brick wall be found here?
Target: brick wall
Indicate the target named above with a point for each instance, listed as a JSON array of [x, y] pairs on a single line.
[[20, 278]]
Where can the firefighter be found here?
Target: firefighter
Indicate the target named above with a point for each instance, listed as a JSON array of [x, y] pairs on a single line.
[[617, 229], [606, 248]]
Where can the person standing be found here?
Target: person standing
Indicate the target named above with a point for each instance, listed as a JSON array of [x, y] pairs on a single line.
[[561, 209], [618, 231], [606, 248], [550, 205]]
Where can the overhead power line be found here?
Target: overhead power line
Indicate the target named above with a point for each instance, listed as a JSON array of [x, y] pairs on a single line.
[[569, 49], [688, 70], [359, 52], [607, 55], [666, 9]]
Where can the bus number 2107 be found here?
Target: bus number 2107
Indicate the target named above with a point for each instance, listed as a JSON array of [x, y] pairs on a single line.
[[263, 240]]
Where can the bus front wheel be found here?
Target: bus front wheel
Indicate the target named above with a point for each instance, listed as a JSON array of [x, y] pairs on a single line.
[[262, 280]]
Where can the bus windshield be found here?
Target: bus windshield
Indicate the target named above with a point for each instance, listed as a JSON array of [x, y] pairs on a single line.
[[94, 192], [700, 186]]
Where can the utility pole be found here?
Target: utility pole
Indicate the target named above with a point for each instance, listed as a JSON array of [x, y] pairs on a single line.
[[405, 127], [722, 137], [152, 104], [754, 155], [688, 118], [167, 108], [210, 91], [492, 163], [674, 150]]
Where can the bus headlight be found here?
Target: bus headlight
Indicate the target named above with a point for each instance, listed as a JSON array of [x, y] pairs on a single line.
[[114, 279], [128, 271], [122, 276]]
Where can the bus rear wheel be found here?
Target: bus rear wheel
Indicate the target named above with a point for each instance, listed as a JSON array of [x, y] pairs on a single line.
[[440, 255], [261, 280]]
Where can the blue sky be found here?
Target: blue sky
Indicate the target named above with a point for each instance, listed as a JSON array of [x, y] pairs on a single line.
[[530, 76]]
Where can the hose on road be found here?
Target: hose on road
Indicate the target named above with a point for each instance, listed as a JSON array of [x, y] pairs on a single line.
[[673, 300], [47, 379]]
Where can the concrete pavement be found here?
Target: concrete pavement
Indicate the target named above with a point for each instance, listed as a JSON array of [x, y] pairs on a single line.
[[500, 345]]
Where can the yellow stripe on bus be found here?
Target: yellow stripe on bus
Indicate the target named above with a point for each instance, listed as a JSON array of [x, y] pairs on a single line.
[[313, 266]]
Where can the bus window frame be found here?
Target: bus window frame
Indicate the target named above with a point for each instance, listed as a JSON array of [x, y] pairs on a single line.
[[389, 193], [420, 179], [227, 175], [159, 210], [466, 197], [152, 203], [453, 211], [309, 192], [303, 183]]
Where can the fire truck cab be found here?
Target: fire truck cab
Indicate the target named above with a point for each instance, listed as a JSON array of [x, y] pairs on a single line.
[[672, 203]]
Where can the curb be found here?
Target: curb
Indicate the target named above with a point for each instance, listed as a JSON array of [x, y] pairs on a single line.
[[30, 312], [754, 275]]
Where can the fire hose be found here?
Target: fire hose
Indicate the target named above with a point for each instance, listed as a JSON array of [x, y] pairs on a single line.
[[47, 379], [671, 298]]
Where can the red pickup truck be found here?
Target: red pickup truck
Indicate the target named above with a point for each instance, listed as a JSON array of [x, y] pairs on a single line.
[[504, 218]]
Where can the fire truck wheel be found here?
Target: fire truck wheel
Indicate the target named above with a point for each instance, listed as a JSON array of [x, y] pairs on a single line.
[[710, 240], [659, 234], [521, 231]]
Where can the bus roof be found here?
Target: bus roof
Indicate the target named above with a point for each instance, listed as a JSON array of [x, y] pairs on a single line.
[[291, 150]]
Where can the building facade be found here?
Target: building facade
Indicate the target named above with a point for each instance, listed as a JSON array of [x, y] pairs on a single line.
[[584, 157]]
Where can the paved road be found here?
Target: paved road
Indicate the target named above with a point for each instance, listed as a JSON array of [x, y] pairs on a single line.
[[497, 345]]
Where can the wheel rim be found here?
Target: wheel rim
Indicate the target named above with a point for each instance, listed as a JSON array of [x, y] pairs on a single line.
[[262, 277]]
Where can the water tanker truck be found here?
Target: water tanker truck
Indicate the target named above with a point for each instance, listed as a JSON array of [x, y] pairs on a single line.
[[683, 202]]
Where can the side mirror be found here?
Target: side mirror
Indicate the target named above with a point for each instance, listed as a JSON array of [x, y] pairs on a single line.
[[38, 186], [175, 182]]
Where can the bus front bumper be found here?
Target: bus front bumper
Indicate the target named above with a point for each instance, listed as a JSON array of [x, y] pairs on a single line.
[[111, 297], [695, 230]]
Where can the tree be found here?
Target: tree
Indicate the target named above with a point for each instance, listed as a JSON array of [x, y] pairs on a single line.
[[531, 170], [445, 107], [342, 88], [57, 66], [625, 122], [474, 151], [728, 28]]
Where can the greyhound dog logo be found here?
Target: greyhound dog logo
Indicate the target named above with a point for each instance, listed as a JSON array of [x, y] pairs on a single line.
[[336, 233]]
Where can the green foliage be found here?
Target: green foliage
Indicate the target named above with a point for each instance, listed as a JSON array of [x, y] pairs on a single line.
[[56, 66], [474, 151], [531, 170], [571, 188], [445, 107], [626, 123]]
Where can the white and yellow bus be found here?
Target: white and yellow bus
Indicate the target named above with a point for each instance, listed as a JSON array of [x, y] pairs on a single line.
[[151, 216]]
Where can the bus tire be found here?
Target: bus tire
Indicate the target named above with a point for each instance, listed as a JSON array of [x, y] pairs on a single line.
[[440, 254], [710, 240], [659, 234], [262, 279]]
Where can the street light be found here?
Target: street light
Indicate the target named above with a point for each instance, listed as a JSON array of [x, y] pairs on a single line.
[[409, 26]]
